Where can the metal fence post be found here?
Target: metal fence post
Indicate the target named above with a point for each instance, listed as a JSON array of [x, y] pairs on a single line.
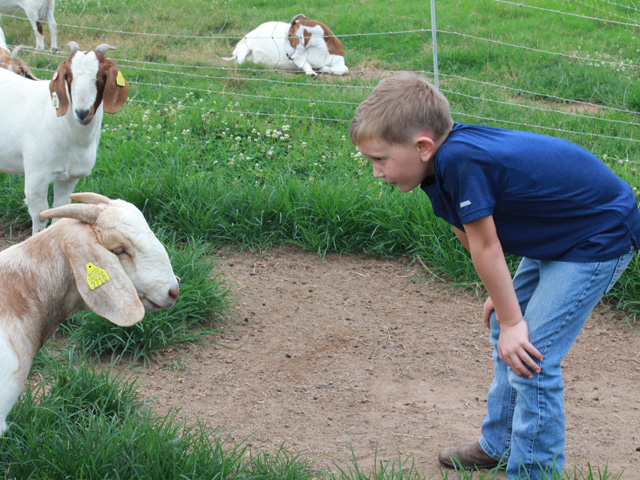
[[434, 43]]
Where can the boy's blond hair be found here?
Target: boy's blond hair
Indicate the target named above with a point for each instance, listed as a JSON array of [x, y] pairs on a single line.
[[398, 108]]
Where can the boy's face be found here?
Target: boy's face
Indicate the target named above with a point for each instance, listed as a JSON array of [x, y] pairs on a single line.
[[404, 166]]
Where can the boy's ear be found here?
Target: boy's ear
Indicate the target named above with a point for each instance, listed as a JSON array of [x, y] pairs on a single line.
[[425, 146]]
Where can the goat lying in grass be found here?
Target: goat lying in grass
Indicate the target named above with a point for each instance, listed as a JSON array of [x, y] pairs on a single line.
[[42, 139], [10, 60], [101, 256], [302, 44]]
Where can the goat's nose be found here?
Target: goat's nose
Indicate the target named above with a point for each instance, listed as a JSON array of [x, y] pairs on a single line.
[[82, 114], [174, 292]]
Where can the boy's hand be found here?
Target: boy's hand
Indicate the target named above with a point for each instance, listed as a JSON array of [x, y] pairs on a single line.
[[515, 349]]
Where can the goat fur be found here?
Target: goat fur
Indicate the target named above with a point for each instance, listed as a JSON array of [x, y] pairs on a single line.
[[44, 280], [302, 44], [57, 143]]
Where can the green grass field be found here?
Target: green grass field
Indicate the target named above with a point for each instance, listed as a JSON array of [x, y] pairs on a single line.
[[216, 154]]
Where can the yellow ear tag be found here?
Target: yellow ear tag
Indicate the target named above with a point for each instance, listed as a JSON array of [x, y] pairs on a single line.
[[120, 79], [96, 276]]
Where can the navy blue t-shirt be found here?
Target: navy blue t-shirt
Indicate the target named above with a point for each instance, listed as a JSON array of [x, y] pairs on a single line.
[[550, 199]]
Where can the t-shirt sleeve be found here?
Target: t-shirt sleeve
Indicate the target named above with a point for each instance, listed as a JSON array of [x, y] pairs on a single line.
[[473, 185]]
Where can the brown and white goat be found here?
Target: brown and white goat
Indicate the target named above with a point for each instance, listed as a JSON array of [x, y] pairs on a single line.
[[50, 130], [102, 256], [10, 60], [301, 44]]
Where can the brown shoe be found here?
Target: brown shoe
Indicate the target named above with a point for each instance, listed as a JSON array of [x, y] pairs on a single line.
[[469, 457]]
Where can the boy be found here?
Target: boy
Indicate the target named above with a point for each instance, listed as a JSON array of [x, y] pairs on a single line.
[[573, 221]]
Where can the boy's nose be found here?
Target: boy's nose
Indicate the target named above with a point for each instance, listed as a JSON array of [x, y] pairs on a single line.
[[377, 172]]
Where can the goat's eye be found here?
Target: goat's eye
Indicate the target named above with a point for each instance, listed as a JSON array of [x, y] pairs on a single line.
[[117, 251]]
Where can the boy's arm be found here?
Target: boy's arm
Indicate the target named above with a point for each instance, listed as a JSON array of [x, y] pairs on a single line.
[[487, 308], [514, 347], [462, 237]]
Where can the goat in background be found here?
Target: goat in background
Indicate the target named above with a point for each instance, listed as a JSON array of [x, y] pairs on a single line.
[[301, 44], [10, 60], [36, 10]]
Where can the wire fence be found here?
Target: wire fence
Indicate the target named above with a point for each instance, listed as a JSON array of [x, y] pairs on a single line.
[[613, 16]]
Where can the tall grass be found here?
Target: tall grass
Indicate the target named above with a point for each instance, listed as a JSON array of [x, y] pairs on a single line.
[[215, 154], [82, 423]]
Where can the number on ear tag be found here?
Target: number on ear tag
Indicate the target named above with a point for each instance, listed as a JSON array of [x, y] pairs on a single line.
[[54, 100], [96, 276], [120, 79]]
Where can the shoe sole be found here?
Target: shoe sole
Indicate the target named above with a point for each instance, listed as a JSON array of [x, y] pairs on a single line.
[[486, 466]]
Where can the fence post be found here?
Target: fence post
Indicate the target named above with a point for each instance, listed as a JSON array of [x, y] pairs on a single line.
[[434, 43]]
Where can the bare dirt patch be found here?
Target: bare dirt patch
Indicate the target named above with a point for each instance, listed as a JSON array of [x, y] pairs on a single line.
[[352, 353]]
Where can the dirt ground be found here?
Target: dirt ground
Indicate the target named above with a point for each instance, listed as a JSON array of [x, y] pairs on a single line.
[[353, 353]]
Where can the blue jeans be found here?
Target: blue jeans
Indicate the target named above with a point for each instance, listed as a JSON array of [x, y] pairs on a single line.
[[524, 424]]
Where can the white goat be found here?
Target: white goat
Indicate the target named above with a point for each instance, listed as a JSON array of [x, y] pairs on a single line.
[[39, 139], [36, 10], [10, 60], [302, 44], [102, 257]]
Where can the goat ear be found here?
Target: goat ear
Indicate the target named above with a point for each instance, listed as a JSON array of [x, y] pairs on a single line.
[[57, 88], [116, 89], [100, 279]]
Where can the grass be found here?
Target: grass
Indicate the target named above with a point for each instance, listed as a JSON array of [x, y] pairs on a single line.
[[82, 423], [217, 155]]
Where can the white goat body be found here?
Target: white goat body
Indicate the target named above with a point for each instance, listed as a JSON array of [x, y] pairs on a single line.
[[302, 44], [35, 10], [10, 60], [48, 278], [47, 143]]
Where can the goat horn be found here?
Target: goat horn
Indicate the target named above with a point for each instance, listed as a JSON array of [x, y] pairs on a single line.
[[84, 213], [73, 46], [15, 52], [90, 197], [104, 48], [300, 16]]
